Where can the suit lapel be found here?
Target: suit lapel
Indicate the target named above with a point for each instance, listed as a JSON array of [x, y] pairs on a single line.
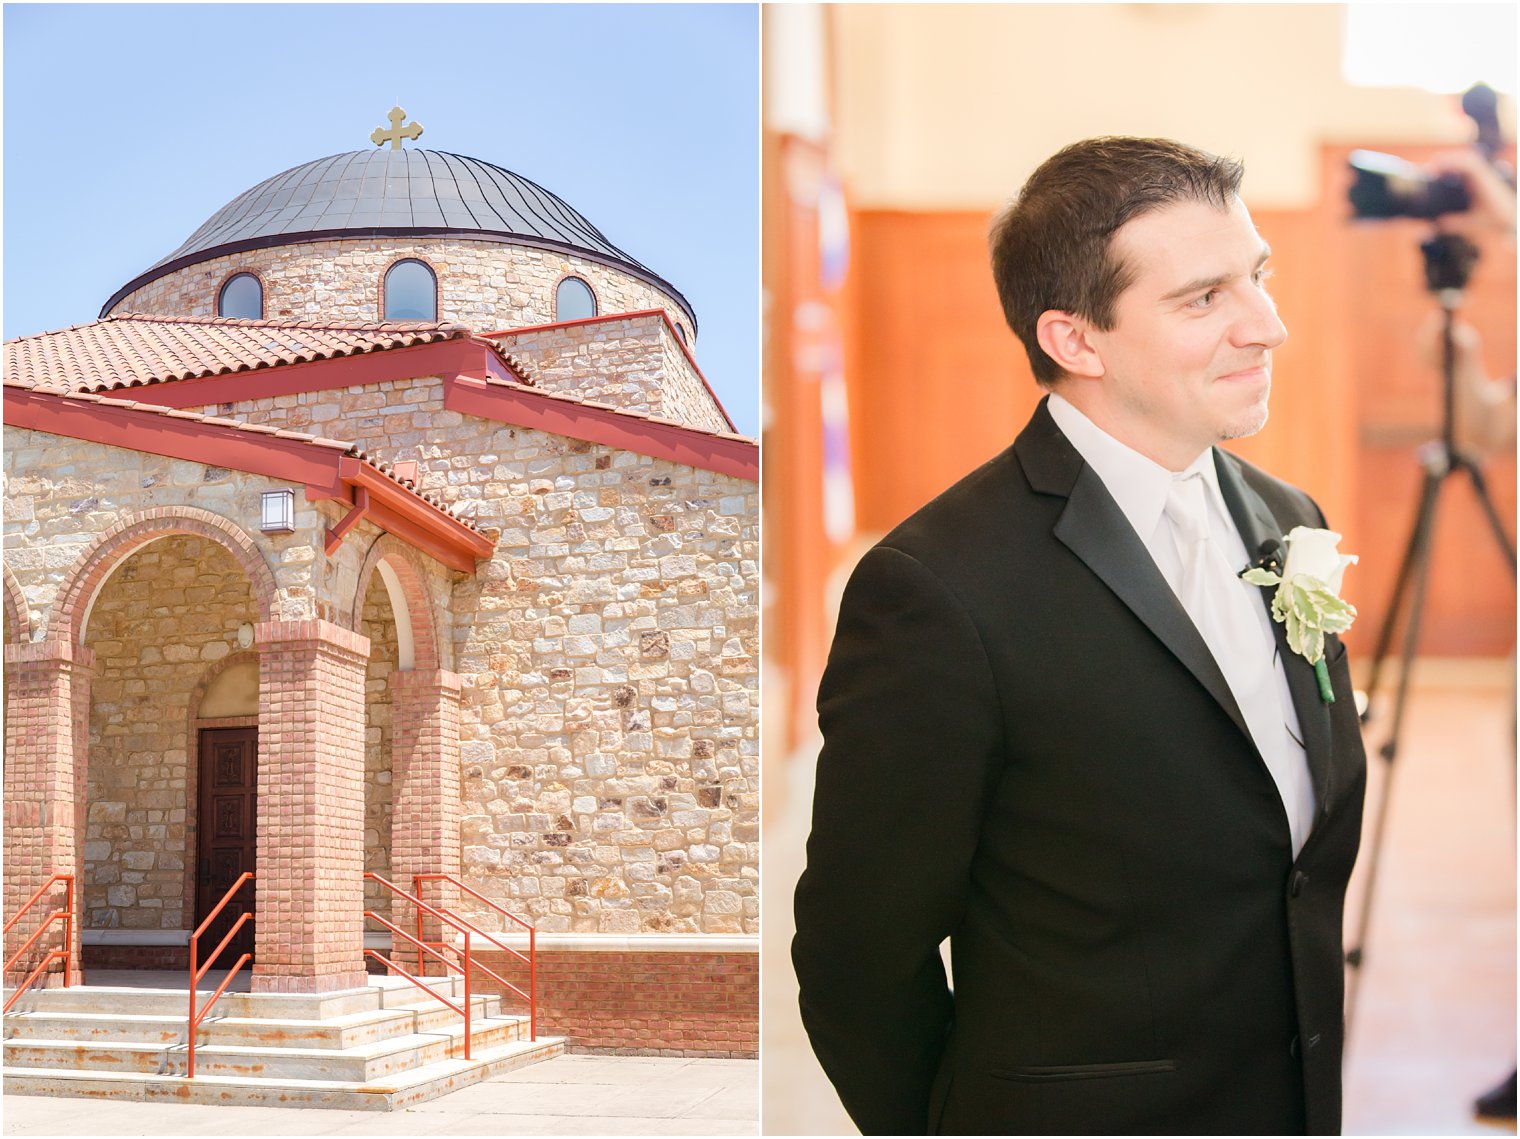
[[1257, 526], [1094, 528]]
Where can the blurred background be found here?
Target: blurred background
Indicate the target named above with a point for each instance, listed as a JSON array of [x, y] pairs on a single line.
[[892, 133]]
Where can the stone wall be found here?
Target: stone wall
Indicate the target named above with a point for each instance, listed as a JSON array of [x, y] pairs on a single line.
[[609, 656], [379, 625], [632, 363], [687, 398], [485, 285], [608, 651], [60, 495]]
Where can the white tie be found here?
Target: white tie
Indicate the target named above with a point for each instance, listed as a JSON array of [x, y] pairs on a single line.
[[1221, 606]]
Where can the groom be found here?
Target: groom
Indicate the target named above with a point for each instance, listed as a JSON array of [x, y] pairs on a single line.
[[1061, 732]]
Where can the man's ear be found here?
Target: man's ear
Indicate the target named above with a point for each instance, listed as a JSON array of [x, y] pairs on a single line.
[[1064, 338]]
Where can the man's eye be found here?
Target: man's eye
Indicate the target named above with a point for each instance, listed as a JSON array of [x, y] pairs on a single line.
[[1261, 276], [1205, 301]]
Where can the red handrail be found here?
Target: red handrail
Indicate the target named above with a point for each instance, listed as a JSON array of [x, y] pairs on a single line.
[[67, 914], [531, 996], [424, 947], [196, 975]]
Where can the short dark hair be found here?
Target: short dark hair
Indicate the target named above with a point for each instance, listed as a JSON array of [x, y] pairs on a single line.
[[1052, 245]]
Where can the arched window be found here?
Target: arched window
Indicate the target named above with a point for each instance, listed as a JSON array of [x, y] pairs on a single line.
[[242, 297], [681, 332], [411, 292], [574, 300]]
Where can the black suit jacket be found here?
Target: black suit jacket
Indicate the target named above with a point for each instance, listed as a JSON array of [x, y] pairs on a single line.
[[1028, 749]]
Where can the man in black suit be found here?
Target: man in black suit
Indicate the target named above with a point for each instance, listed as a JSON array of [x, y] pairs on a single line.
[[1061, 732]]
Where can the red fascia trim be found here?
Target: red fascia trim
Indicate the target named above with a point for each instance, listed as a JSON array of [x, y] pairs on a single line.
[[662, 314], [737, 457], [601, 318], [443, 357], [326, 472], [287, 459], [414, 520]]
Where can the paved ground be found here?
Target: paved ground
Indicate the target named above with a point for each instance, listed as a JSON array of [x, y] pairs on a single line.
[[569, 1095]]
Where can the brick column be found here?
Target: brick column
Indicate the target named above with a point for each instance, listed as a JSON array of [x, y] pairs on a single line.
[[310, 885], [47, 736], [425, 786]]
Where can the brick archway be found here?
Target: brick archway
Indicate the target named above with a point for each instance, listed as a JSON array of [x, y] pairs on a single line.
[[411, 601], [17, 613], [424, 703], [48, 696], [70, 613]]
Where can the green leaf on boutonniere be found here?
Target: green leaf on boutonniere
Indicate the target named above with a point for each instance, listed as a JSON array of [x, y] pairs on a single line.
[[1305, 605]]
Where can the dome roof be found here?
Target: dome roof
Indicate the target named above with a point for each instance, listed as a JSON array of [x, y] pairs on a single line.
[[396, 193]]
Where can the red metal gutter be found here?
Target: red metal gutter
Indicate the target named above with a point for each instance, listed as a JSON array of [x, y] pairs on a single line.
[[528, 407]]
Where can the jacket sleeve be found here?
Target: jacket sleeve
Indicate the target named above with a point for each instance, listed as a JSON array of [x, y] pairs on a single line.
[[912, 737]]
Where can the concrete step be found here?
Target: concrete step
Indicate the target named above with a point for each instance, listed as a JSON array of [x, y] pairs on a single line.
[[380, 992], [388, 1094], [350, 1030], [384, 1046], [363, 1063]]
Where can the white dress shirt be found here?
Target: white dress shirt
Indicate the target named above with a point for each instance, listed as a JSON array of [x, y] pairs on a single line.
[[1140, 487]]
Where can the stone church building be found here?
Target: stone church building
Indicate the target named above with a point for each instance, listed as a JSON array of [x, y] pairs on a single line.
[[389, 525]]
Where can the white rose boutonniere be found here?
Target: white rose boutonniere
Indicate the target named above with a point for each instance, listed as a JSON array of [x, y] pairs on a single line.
[[1308, 599]]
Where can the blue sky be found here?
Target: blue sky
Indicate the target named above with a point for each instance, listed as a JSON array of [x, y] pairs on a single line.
[[126, 126]]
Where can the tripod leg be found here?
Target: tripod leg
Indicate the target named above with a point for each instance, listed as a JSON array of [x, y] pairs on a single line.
[[1419, 556], [1412, 628], [1417, 540], [1491, 512]]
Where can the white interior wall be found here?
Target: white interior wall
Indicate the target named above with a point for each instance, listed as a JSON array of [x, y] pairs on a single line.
[[951, 106]]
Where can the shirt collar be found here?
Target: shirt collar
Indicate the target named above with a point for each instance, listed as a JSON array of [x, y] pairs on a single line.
[[1138, 484]]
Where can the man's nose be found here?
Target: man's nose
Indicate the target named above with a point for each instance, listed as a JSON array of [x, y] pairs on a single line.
[[1259, 322]]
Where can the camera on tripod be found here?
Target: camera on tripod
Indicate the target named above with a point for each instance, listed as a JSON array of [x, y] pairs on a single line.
[[1386, 186], [1389, 187]]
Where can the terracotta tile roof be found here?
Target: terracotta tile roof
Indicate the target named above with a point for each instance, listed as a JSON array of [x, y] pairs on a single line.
[[129, 349], [341, 446]]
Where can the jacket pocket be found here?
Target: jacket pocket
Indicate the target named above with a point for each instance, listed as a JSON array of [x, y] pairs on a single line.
[[1048, 1073]]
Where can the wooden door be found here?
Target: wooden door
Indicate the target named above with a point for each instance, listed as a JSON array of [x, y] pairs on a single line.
[[226, 839]]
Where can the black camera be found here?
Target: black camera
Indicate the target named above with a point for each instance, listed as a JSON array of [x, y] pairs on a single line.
[[1389, 187]]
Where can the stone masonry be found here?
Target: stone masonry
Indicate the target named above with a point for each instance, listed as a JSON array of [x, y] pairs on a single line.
[[631, 362], [482, 284], [609, 657], [573, 728]]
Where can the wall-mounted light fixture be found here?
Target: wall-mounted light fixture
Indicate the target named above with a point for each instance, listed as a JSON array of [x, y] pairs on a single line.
[[279, 512], [245, 636]]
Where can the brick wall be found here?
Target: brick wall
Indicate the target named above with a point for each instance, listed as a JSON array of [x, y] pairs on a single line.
[[176, 957], [643, 1003]]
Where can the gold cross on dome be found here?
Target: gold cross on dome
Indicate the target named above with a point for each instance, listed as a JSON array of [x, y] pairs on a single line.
[[397, 132]]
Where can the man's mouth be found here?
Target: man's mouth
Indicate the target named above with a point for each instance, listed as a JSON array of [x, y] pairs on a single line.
[[1255, 372]]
